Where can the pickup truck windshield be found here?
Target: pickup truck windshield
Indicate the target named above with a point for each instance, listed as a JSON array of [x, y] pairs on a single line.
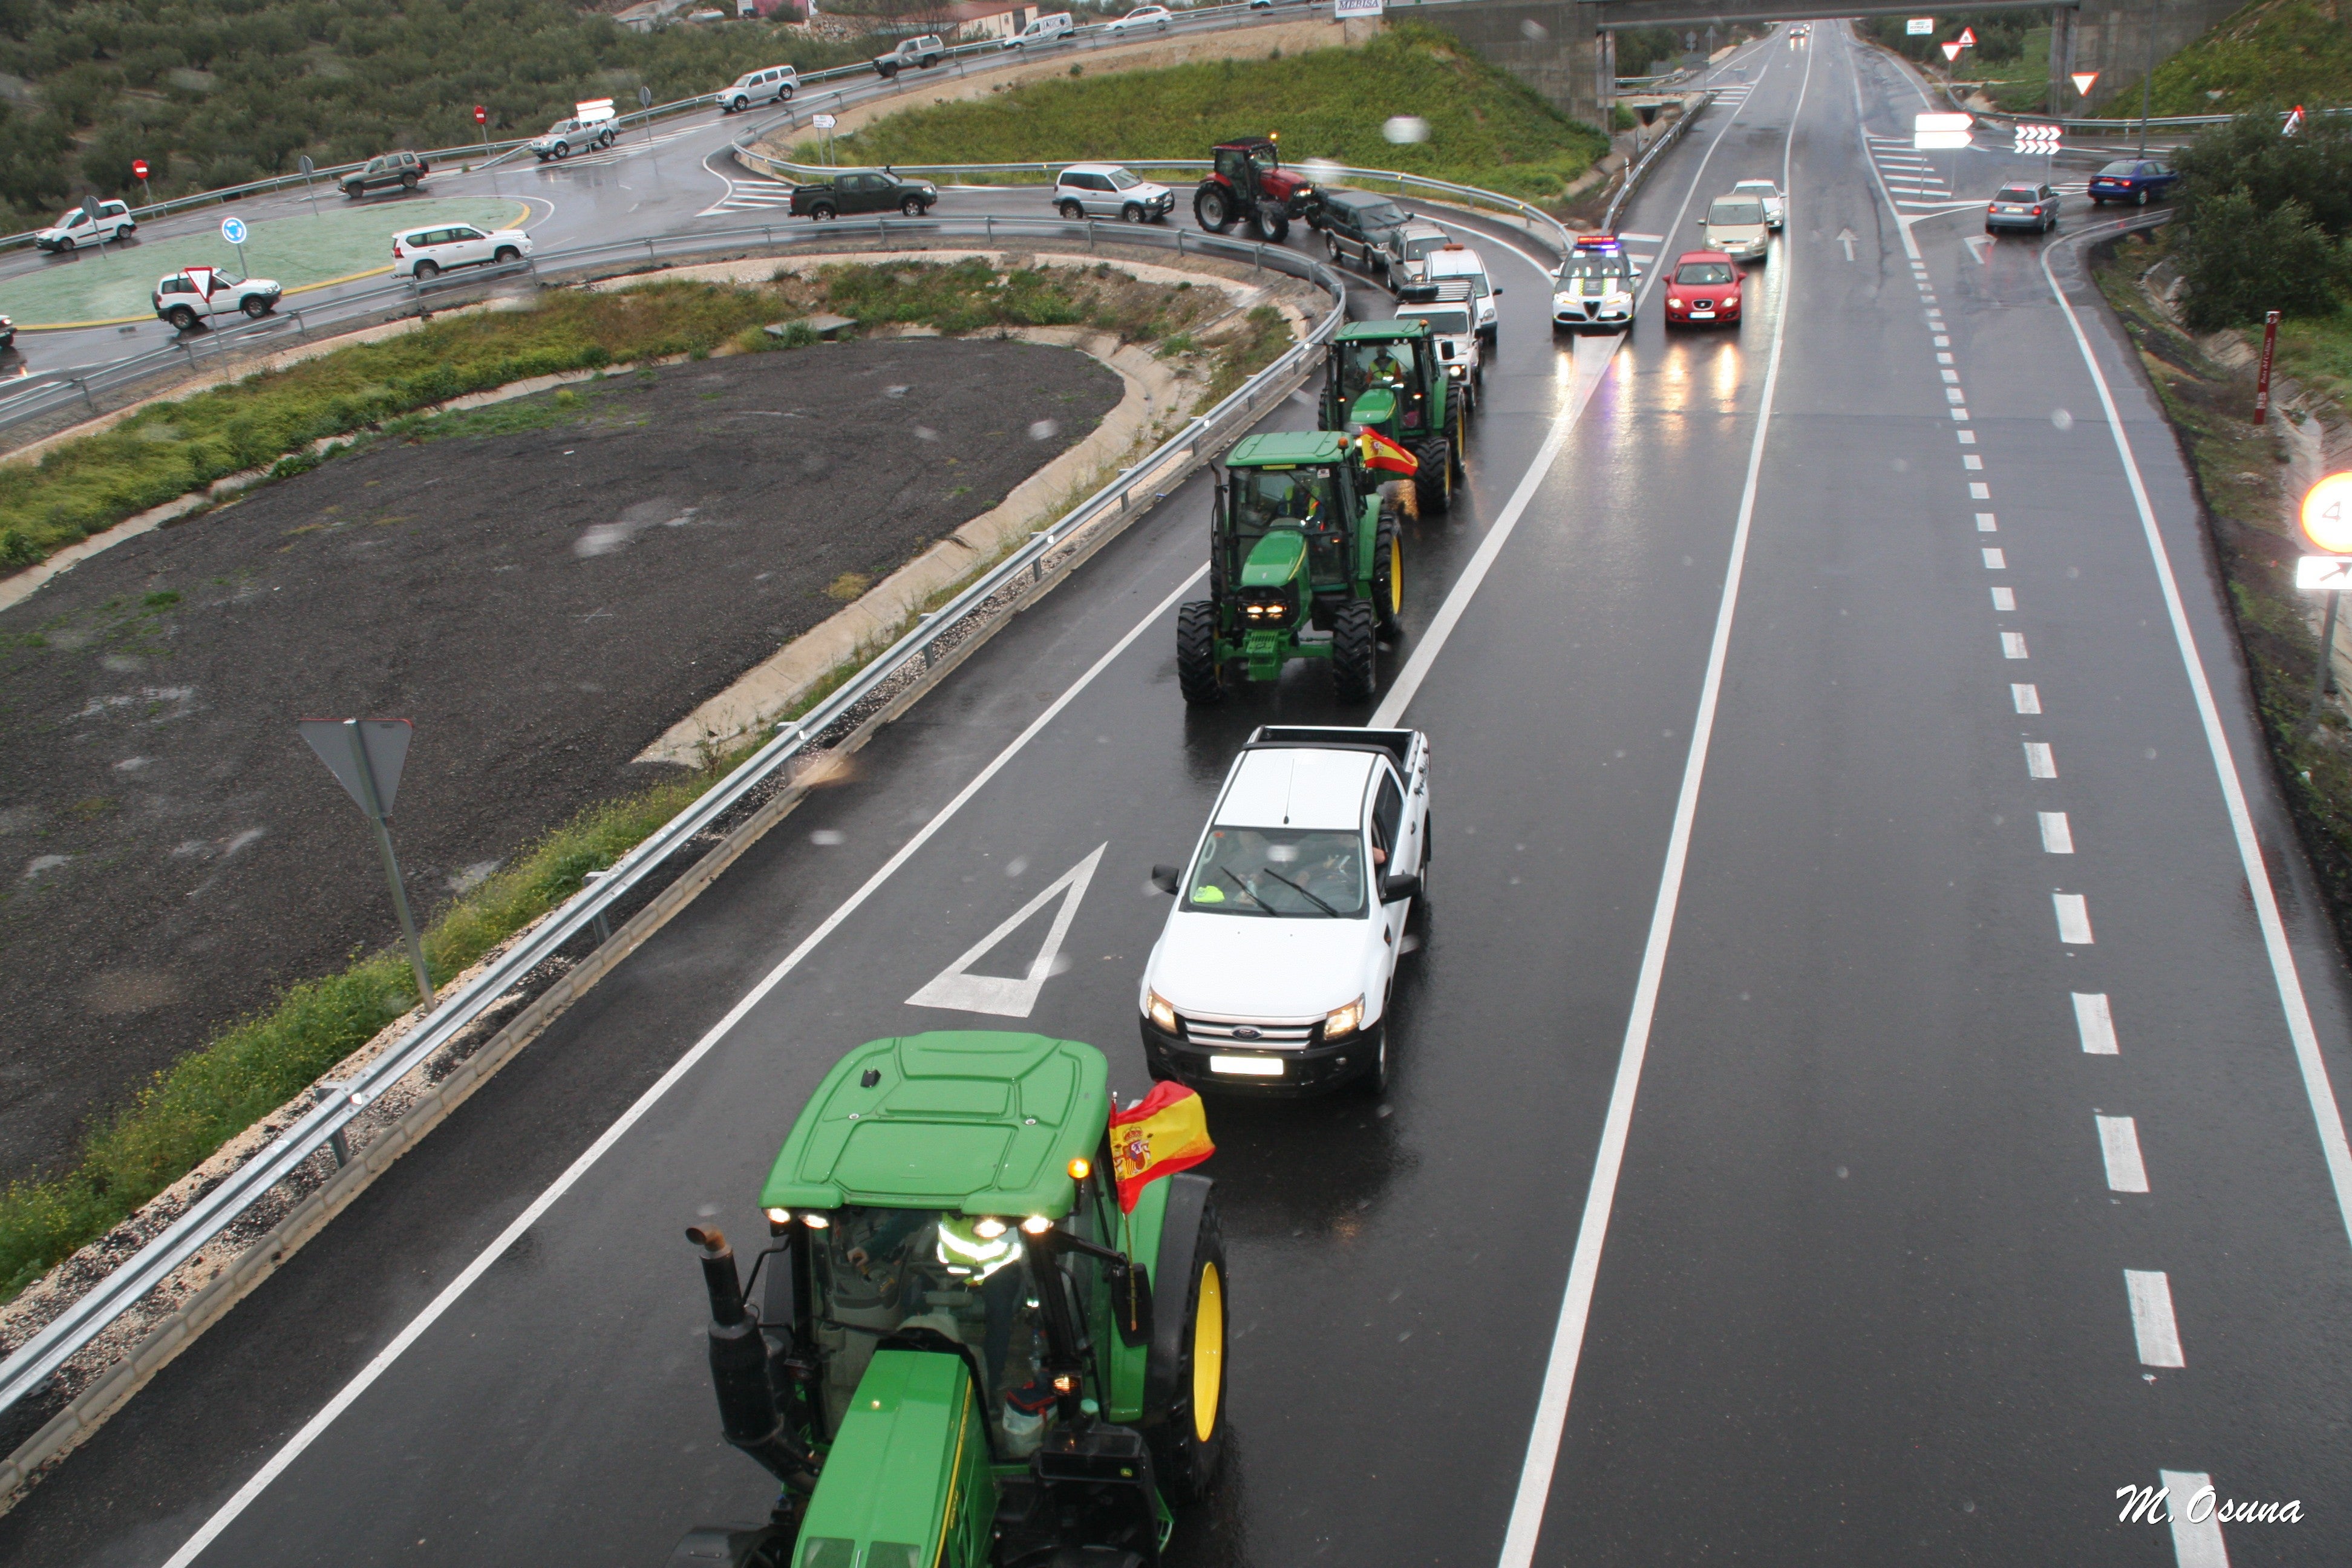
[[1294, 873], [1445, 321]]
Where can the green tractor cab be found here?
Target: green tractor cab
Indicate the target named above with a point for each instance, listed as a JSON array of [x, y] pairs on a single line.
[[1304, 561], [1388, 376], [955, 1352]]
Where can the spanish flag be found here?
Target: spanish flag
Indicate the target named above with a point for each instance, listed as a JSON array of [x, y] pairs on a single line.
[[1379, 452], [1165, 1131]]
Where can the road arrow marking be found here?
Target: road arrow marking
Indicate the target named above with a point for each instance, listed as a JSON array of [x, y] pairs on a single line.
[[1981, 246], [1846, 237], [955, 987]]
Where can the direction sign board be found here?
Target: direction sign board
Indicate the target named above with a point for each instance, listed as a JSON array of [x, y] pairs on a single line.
[[2331, 572], [232, 230], [2036, 140], [1931, 132], [1345, 8], [1920, 26], [821, 121]]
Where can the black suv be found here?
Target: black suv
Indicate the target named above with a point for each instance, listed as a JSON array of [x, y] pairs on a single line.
[[393, 170], [1359, 226], [864, 191]]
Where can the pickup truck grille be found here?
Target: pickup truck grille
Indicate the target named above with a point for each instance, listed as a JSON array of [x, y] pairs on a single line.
[[1275, 1036]]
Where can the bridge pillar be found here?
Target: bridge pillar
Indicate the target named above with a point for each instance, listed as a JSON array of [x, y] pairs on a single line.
[[1552, 46]]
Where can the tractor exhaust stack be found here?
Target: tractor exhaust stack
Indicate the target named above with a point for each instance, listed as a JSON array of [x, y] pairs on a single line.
[[747, 1407]]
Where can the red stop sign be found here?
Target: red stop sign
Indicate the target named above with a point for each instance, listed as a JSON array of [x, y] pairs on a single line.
[[137, 168], [481, 115]]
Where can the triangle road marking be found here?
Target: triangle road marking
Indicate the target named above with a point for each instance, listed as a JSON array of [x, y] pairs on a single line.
[[957, 988]]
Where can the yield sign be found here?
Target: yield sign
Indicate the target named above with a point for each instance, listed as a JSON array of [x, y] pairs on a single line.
[[2083, 80], [1952, 51], [957, 987], [366, 755]]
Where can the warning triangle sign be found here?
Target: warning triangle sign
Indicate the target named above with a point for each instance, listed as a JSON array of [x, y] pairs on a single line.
[[957, 988], [1968, 38], [2083, 80]]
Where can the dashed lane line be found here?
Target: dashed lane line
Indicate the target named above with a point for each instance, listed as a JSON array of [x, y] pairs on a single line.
[[2120, 1151], [2153, 1324], [2095, 1023]]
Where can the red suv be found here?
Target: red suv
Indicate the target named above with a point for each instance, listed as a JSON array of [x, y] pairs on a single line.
[[1705, 287]]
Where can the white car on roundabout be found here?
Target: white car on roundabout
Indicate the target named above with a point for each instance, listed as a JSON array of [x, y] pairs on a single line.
[[1272, 974], [1142, 17]]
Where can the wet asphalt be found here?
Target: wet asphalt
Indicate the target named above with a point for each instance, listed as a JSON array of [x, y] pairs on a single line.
[[1861, 1294]]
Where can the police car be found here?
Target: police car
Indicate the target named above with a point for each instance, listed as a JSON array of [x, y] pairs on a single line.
[[1595, 286]]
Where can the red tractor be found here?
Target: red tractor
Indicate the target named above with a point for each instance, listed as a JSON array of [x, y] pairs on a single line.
[[1249, 183]]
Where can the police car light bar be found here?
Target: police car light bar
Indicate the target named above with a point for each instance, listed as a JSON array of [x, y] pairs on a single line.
[[1606, 242]]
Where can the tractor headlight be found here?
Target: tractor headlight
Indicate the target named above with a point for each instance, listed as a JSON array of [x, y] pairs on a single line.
[[991, 1228], [1267, 608], [1036, 1224], [815, 1221], [1341, 1022], [778, 1219], [1160, 1011]]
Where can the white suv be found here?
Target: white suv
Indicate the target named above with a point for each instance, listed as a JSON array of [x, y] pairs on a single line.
[[1458, 260], [773, 85], [114, 222], [1106, 190], [195, 294], [1447, 308], [425, 253], [1273, 972], [566, 137]]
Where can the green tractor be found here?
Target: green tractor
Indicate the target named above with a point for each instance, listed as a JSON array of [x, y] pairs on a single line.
[[1387, 376], [963, 1354], [1304, 561]]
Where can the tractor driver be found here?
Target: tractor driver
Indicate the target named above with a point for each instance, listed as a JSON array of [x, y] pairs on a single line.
[[1376, 365], [920, 1247], [1287, 498]]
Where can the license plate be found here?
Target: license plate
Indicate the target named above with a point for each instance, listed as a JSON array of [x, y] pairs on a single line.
[[1702, 315], [1246, 1067]]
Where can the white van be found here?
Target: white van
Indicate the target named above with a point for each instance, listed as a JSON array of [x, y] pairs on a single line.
[[1051, 29], [1458, 260]]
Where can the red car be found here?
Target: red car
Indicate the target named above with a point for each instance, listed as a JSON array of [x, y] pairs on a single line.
[[1705, 287]]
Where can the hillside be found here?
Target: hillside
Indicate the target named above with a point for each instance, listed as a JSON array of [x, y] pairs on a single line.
[[1482, 126], [216, 92], [2272, 54]]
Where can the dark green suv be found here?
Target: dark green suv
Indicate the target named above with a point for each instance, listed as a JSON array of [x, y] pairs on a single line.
[[392, 172]]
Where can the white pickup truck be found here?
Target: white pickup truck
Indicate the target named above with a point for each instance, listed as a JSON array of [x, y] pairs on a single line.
[[195, 294], [1275, 969]]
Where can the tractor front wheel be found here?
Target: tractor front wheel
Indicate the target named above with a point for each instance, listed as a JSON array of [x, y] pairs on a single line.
[[1432, 482], [1198, 673], [1190, 1446], [1212, 209], [1356, 651], [1388, 577], [1270, 223]]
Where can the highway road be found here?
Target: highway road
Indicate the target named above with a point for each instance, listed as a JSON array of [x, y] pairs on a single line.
[[1864, 1094]]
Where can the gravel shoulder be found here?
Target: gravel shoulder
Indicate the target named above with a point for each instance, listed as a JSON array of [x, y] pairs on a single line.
[[542, 596]]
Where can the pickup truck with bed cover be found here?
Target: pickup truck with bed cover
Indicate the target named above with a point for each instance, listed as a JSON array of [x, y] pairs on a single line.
[[1275, 970]]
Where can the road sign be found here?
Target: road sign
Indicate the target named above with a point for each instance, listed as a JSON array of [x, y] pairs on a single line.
[[481, 115], [2037, 140], [1952, 51], [592, 109], [2327, 515], [1920, 26], [137, 168], [1342, 9], [232, 230], [1968, 38], [644, 98], [2083, 80], [90, 208], [821, 121], [2294, 122], [2331, 572], [1933, 131], [366, 756]]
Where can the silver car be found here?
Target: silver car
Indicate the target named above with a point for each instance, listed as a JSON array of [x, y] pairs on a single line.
[[1106, 190], [1409, 248], [1735, 226]]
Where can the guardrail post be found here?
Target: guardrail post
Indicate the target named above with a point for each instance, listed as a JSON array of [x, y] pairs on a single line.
[[326, 1094], [602, 926]]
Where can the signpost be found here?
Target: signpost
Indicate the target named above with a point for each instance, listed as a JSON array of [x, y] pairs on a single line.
[[233, 231], [645, 102], [139, 173], [309, 168], [366, 756], [824, 122], [2263, 371], [2328, 523]]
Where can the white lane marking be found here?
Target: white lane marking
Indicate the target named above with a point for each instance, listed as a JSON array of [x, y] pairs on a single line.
[[2095, 1023], [2152, 1321], [1967, 438], [1985, 523], [2119, 1146], [1995, 560], [2073, 919], [2004, 599], [1644, 238], [2196, 1542], [2057, 836], [1951, 377], [2317, 1088], [1543, 269], [346, 1397], [2039, 763], [1971, 462], [1584, 1265], [958, 990], [1433, 641], [2026, 697], [2012, 645], [1979, 490]]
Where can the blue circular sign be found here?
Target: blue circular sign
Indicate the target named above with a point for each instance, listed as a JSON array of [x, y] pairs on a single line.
[[232, 230]]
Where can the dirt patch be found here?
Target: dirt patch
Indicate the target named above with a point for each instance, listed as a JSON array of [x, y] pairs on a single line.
[[543, 590]]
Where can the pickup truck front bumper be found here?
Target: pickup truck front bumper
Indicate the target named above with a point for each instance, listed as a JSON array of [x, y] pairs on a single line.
[[1310, 1070]]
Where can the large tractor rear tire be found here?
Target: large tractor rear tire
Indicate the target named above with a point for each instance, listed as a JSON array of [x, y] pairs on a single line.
[[1212, 208], [1356, 651], [1388, 576], [1188, 1448], [1432, 482], [1197, 670]]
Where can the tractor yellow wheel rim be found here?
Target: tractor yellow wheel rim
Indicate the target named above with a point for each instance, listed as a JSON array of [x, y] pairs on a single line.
[[1208, 1352], [1396, 576]]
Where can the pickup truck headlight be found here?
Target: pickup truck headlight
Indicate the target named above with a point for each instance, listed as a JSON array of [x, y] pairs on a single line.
[[1341, 1022], [1160, 1010]]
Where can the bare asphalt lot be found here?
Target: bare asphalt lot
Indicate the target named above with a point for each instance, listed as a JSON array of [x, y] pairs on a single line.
[[541, 601]]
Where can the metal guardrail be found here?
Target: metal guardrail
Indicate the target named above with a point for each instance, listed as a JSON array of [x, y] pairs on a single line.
[[1641, 170], [38, 1359]]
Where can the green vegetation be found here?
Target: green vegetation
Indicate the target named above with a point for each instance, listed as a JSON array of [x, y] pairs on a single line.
[[2267, 220], [2011, 57], [215, 95], [2272, 55], [1484, 127]]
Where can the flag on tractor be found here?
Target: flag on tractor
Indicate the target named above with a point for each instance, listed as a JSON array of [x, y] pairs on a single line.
[[1165, 1131], [1379, 452]]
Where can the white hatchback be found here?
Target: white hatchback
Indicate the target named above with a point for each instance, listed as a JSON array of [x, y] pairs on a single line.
[[425, 253], [1273, 972]]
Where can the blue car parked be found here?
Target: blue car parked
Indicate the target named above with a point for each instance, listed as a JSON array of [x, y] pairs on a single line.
[[2133, 180]]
